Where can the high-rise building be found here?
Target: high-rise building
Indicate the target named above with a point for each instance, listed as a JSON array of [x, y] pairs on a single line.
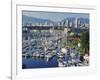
[[76, 22], [66, 23]]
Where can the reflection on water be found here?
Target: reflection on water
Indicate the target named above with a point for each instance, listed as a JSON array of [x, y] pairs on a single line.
[[39, 63]]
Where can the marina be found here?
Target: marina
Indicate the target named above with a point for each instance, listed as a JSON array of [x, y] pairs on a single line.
[[48, 44]]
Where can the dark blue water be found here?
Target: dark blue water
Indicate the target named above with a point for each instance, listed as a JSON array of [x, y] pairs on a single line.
[[39, 63]]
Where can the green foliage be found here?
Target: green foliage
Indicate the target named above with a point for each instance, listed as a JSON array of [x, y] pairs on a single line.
[[84, 40]]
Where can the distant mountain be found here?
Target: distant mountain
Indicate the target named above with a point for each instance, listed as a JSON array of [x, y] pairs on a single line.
[[27, 19]]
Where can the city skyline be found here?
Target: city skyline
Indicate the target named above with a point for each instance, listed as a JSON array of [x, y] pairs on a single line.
[[55, 39], [54, 16]]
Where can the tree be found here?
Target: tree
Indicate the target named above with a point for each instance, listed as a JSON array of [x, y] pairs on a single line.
[[84, 41]]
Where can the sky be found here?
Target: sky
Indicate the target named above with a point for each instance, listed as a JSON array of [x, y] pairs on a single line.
[[54, 16]]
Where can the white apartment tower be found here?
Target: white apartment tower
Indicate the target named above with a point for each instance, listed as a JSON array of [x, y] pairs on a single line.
[[76, 22]]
